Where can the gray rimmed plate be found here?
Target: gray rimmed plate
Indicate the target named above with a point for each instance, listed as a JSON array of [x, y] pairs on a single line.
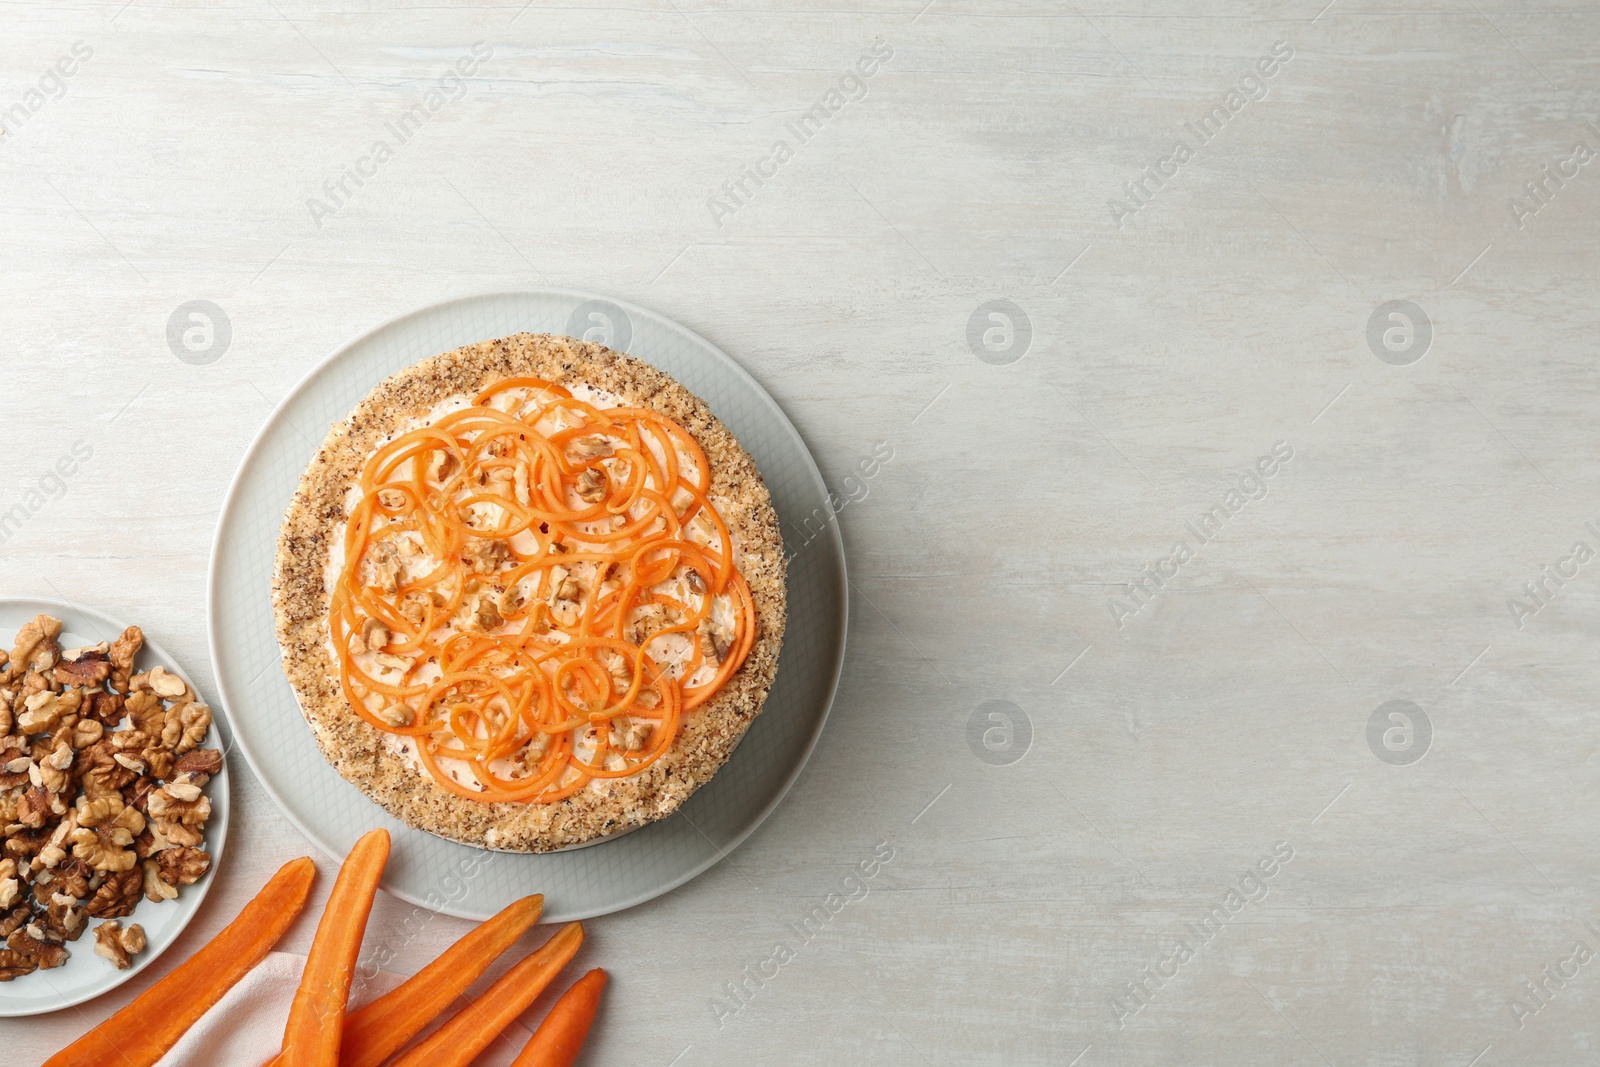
[[85, 975], [457, 879]]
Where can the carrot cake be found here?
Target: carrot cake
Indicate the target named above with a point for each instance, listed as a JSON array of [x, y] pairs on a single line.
[[530, 594]]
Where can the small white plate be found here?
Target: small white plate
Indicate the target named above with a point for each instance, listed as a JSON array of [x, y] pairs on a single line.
[[85, 975], [475, 883]]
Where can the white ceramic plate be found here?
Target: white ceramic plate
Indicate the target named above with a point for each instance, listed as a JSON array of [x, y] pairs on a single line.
[[474, 883], [86, 975]]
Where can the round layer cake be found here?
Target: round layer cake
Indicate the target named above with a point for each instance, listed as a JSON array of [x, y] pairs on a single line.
[[530, 594]]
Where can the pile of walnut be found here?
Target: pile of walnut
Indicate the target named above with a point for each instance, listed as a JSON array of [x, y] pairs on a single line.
[[100, 794]]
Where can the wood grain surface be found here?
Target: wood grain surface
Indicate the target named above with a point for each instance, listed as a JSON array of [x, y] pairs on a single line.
[[1081, 748]]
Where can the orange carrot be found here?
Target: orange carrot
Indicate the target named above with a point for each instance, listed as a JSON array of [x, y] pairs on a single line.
[[472, 1028], [560, 1036], [378, 1030], [316, 1016], [141, 1033]]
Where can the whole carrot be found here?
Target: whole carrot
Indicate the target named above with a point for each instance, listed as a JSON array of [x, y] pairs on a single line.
[[141, 1033], [560, 1036], [376, 1031], [472, 1028], [316, 1016]]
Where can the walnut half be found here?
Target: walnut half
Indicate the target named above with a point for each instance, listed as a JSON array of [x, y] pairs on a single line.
[[155, 889], [630, 734], [41, 712], [122, 652], [31, 940], [207, 761], [182, 866], [118, 945], [14, 920], [10, 886], [105, 849], [36, 643], [89, 668], [174, 803], [16, 964], [117, 896]]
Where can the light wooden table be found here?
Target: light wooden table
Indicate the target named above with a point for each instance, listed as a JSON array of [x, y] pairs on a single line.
[[1172, 340]]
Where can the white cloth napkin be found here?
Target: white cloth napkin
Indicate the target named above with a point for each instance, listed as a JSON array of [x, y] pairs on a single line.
[[245, 1027]]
